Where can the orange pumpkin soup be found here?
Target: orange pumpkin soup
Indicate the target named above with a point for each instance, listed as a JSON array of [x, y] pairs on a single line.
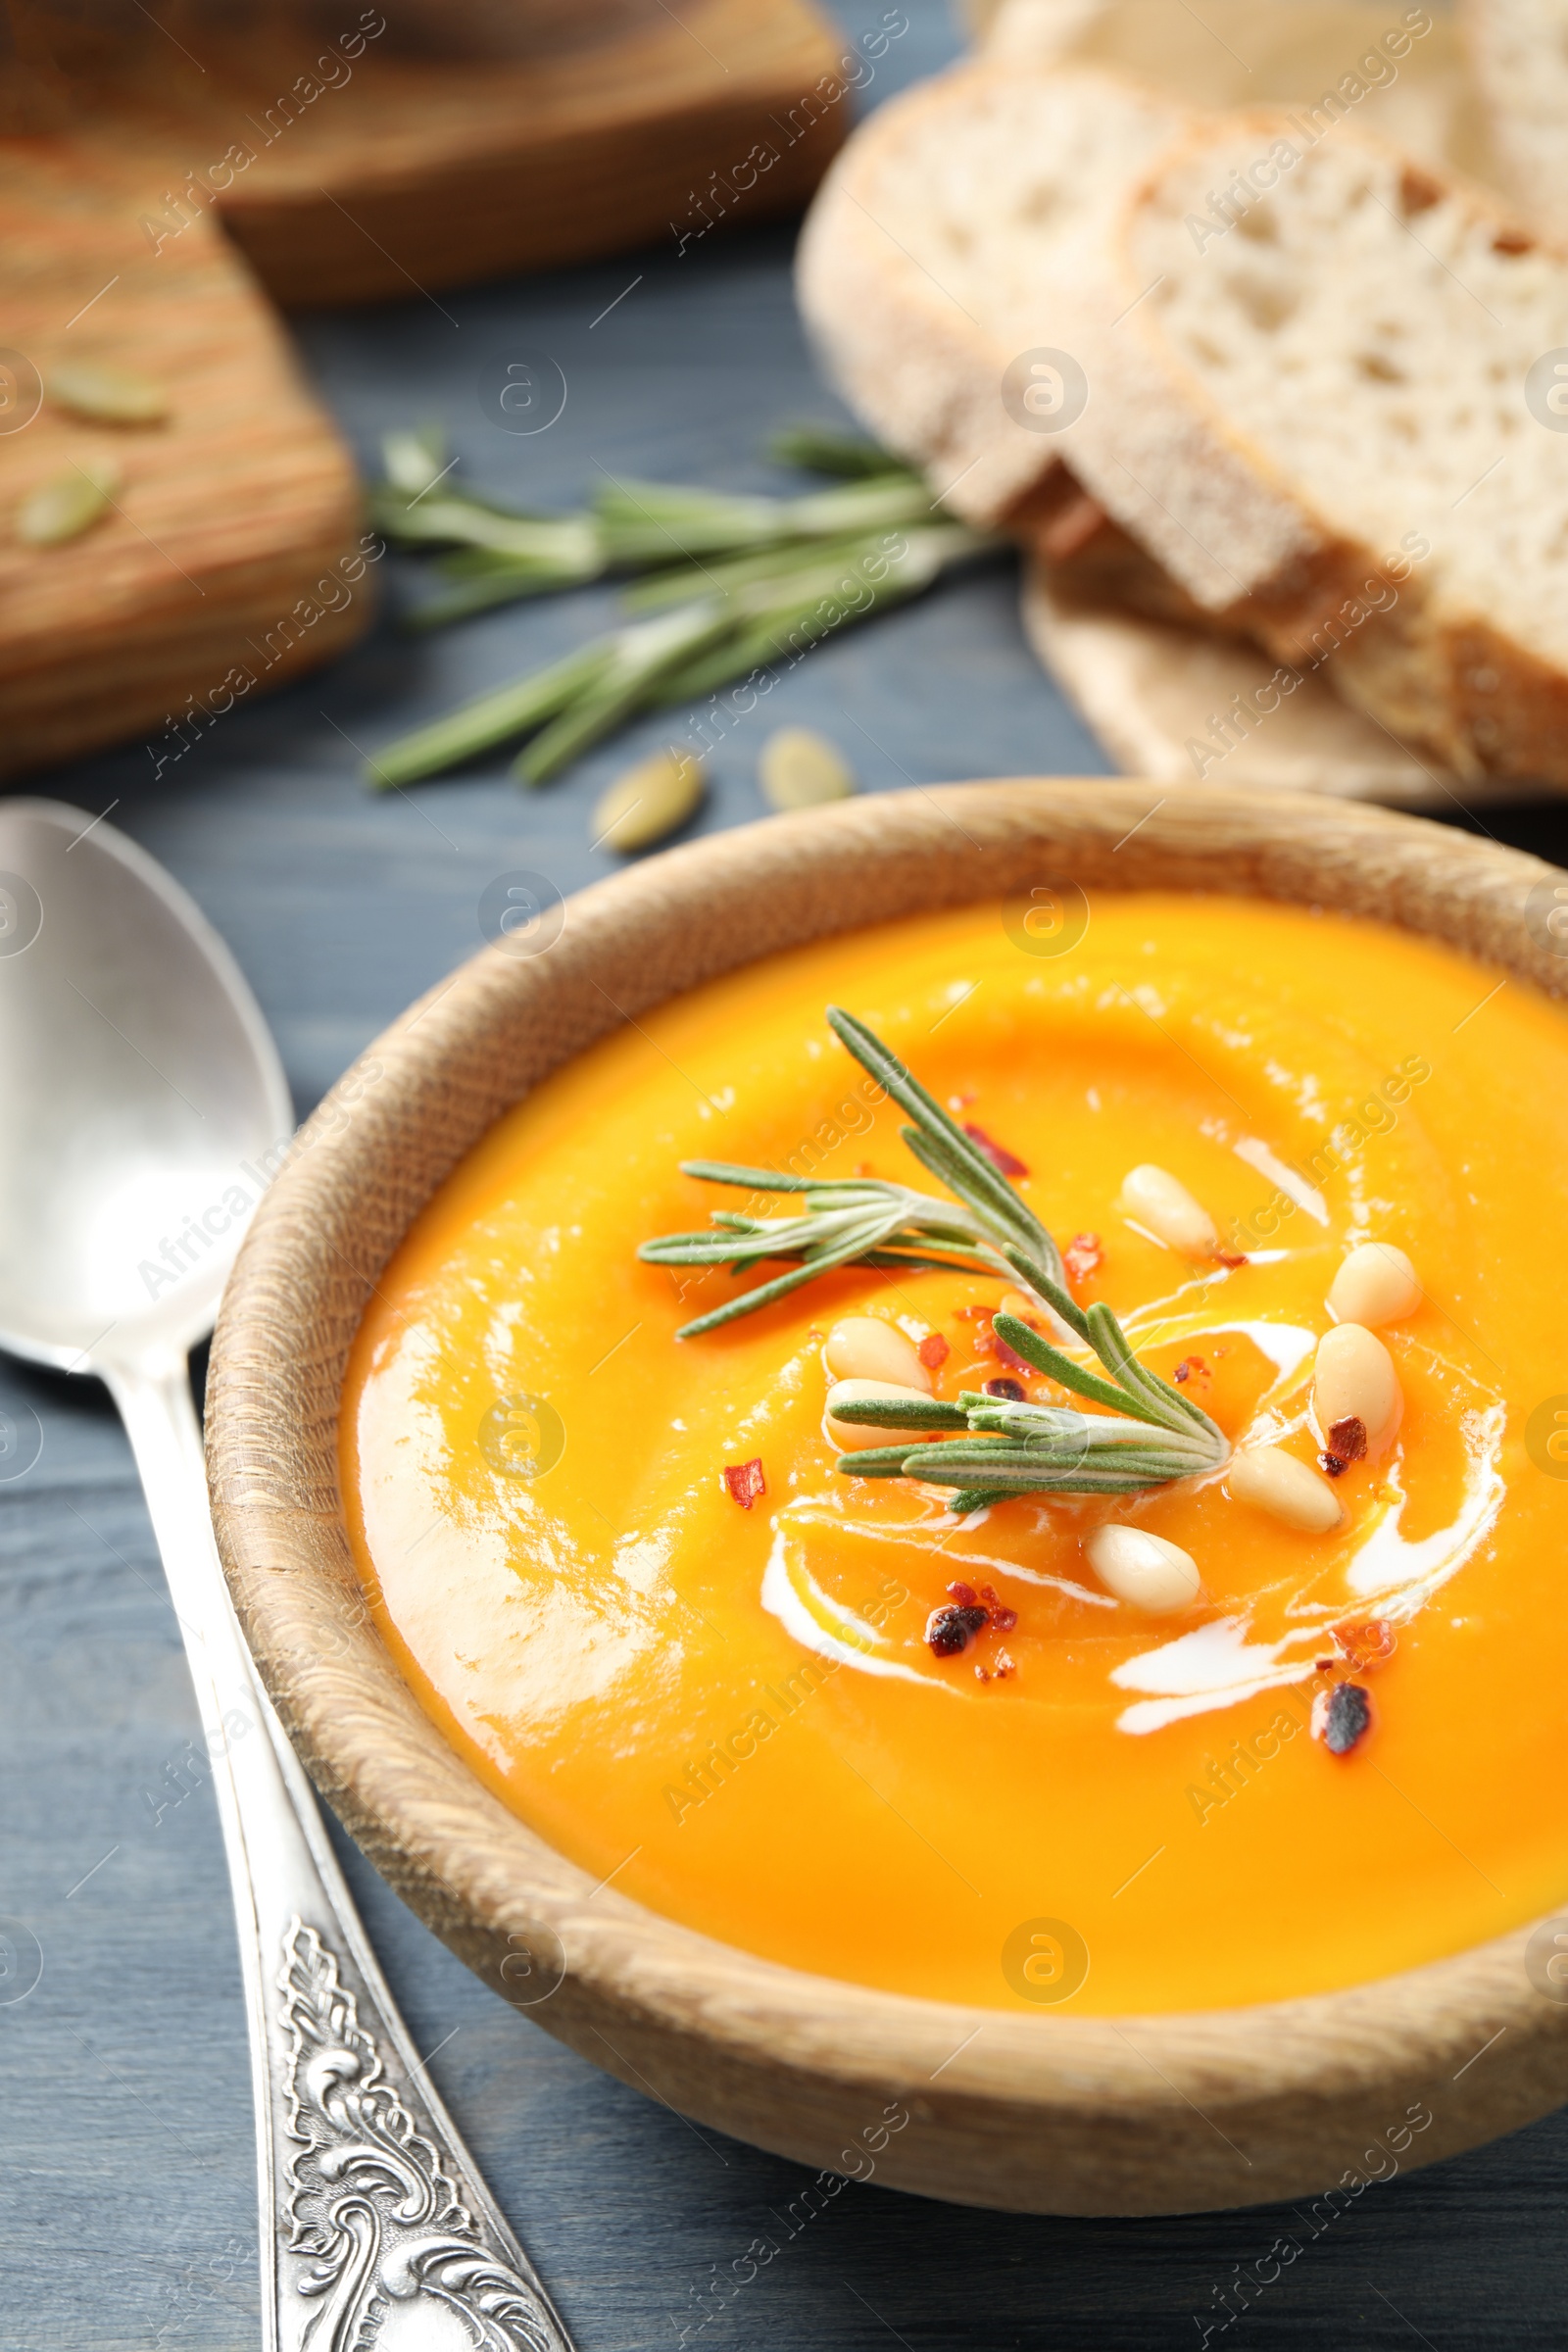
[[817, 1715]]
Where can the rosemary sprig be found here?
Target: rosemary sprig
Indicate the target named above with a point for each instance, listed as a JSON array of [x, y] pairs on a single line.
[[746, 582], [416, 505], [864, 1219], [1147, 1433], [824, 448], [687, 650]]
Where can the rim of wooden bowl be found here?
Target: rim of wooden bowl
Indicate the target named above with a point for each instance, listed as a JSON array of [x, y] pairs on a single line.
[[1039, 2112]]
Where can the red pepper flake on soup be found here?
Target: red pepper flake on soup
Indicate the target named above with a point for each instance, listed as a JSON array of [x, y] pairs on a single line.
[[1346, 1444], [1342, 1717], [745, 1481], [933, 1350], [1365, 1644], [952, 1629], [998, 1154], [1083, 1253]]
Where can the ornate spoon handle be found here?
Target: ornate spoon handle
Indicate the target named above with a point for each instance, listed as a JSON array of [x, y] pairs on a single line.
[[376, 2227]]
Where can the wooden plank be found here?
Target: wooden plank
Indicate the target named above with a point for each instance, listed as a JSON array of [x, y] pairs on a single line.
[[232, 558], [350, 169]]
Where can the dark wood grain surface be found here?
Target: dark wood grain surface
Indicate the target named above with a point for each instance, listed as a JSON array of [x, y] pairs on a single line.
[[126, 2198]]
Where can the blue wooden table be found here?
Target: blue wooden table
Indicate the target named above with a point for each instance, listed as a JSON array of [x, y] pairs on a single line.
[[126, 2195]]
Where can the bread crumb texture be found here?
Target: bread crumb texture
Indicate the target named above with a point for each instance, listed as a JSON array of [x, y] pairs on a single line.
[[1369, 330]]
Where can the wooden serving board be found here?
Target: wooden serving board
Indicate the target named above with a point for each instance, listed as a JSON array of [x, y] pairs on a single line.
[[1152, 691], [232, 558], [346, 168], [351, 168]]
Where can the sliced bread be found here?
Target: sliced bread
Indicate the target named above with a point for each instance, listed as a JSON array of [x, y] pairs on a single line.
[[1401, 71], [1519, 53], [1329, 418], [957, 232]]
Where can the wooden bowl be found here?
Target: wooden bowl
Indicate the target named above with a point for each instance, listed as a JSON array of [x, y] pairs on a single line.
[[1049, 2113]]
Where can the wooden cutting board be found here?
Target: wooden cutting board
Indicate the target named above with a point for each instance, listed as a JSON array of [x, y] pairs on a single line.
[[148, 156], [1152, 691], [350, 168], [231, 559]]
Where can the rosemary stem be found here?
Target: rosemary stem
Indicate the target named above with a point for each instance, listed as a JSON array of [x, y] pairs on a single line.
[[635, 661], [489, 720]]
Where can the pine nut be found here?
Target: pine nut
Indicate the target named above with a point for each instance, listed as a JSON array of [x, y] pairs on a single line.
[[799, 768], [66, 505], [650, 801], [1166, 1208], [1289, 1490], [108, 394], [1143, 1569], [851, 1436], [1354, 1380], [863, 1348], [1377, 1284]]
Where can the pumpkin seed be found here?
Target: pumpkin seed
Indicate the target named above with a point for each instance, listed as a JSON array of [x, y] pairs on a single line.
[[66, 505], [650, 801], [108, 394], [798, 768]]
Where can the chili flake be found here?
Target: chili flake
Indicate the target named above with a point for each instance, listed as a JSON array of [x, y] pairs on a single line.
[[933, 1350], [951, 1630], [1188, 1366], [998, 1154], [1007, 1355], [1012, 1391], [745, 1481], [1367, 1644], [1346, 1444], [963, 1595], [1083, 1253], [1342, 1717]]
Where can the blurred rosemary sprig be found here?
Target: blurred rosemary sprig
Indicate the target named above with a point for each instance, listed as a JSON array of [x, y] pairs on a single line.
[[1148, 1434], [742, 583]]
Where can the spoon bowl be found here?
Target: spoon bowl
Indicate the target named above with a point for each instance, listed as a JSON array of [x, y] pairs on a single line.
[[145, 1105]]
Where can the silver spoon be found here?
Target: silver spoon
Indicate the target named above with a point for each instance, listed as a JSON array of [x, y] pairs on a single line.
[[145, 1108]]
